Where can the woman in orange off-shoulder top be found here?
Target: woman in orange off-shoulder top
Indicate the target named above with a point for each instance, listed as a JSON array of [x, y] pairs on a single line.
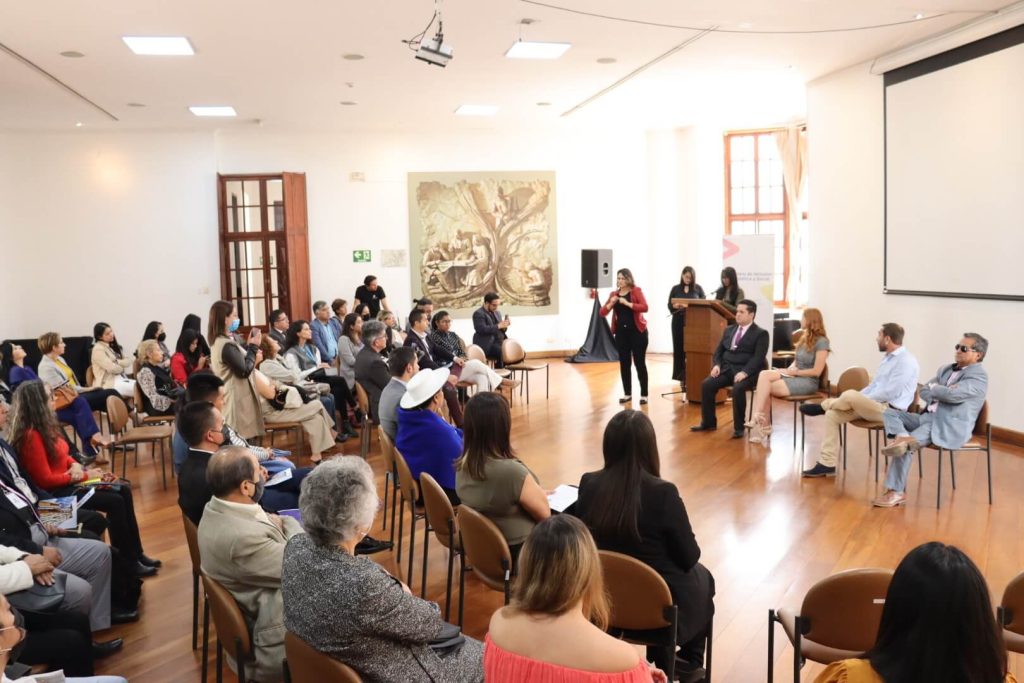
[[937, 626], [548, 633]]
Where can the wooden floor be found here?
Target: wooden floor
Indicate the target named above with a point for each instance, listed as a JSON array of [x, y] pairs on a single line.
[[766, 534]]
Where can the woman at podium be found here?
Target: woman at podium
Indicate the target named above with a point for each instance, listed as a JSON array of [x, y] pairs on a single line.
[[627, 306], [730, 292], [686, 289]]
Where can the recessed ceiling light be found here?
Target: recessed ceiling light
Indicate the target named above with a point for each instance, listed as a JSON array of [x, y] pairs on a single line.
[[543, 104], [136, 104], [606, 60], [348, 103], [919, 15], [72, 54], [477, 110], [213, 111], [159, 45], [78, 124], [528, 49], [353, 56]]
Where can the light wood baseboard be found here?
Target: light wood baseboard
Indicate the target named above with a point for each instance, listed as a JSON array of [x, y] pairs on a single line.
[[1009, 436]]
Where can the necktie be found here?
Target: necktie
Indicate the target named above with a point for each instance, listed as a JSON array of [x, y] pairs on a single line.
[[737, 338]]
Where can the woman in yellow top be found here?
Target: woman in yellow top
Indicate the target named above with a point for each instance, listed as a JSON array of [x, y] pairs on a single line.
[[937, 626]]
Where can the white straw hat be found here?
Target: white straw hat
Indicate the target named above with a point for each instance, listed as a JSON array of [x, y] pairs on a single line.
[[423, 385]]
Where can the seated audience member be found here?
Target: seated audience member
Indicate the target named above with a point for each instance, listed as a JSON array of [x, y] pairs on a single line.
[[351, 608], [730, 293], [419, 340], [738, 357], [187, 357], [802, 377], [55, 371], [277, 370], [426, 306], [159, 391], [552, 629], [450, 350], [489, 477], [371, 294], [648, 521], [394, 334], [325, 331], [490, 328], [45, 455], [894, 384], [242, 547], [340, 309], [304, 357], [77, 413], [350, 343], [402, 365], [110, 367], [155, 331], [194, 322], [59, 645], [284, 404], [363, 311], [371, 370], [278, 326], [953, 399], [937, 626], [235, 365], [428, 443]]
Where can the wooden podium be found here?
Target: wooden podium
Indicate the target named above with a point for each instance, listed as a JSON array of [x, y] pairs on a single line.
[[706, 321]]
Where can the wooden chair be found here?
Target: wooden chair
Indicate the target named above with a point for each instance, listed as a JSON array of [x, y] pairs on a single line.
[[485, 551], [305, 664], [441, 520], [409, 489], [799, 399], [387, 450], [89, 377], [981, 443], [876, 429], [192, 539], [514, 359], [363, 400], [1011, 614], [838, 619], [295, 428], [125, 435], [231, 628], [145, 419]]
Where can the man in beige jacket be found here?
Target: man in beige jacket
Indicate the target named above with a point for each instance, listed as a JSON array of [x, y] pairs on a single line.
[[242, 547]]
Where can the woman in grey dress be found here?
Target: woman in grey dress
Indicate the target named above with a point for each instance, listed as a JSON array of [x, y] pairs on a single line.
[[351, 608], [800, 378]]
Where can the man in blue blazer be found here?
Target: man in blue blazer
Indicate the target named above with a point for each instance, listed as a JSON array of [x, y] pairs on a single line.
[[953, 399]]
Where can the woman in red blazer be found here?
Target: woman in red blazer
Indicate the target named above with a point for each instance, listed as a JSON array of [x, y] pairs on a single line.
[[627, 306]]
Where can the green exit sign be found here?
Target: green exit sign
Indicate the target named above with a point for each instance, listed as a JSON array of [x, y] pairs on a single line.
[[361, 256]]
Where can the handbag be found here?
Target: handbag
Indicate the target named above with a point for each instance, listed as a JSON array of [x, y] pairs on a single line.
[[63, 396], [41, 599]]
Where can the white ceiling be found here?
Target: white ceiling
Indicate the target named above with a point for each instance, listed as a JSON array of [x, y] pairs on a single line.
[[282, 62]]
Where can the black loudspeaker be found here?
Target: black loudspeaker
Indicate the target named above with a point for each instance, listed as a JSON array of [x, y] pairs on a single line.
[[596, 268]]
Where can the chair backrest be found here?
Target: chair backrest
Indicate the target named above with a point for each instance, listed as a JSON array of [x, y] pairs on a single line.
[[140, 406], [387, 449], [363, 399], [639, 595], [484, 548], [796, 336], [823, 385], [117, 412], [439, 510], [89, 376], [406, 482], [1013, 605], [192, 539], [981, 424], [853, 378], [512, 352], [308, 665], [227, 618], [843, 611], [474, 352]]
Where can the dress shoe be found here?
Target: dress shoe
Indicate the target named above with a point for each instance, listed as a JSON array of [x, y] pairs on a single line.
[[149, 561], [124, 616], [819, 470], [625, 399], [812, 409], [643, 400], [703, 428], [689, 672], [899, 448], [107, 648], [739, 434], [890, 499], [348, 430], [140, 570], [370, 545], [342, 437]]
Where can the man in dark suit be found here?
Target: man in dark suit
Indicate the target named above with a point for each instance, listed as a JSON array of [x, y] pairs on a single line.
[[490, 328], [418, 340], [371, 368], [739, 357], [278, 326]]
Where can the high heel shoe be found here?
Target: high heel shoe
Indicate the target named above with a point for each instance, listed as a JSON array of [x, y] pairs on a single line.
[[755, 420], [756, 435]]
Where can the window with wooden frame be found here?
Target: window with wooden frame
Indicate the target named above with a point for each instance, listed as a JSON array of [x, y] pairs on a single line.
[[755, 197]]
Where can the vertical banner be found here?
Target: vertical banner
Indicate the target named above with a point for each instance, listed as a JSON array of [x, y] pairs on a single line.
[[752, 257]]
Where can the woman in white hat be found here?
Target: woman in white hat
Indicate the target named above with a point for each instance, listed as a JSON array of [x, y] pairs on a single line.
[[425, 440]]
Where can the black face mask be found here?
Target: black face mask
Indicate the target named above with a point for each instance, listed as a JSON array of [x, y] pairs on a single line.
[[162, 337], [16, 651], [258, 493]]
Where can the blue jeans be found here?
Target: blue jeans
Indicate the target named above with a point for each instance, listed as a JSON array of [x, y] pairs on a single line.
[[902, 423]]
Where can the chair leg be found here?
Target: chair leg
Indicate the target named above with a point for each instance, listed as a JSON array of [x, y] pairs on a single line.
[[401, 528], [423, 570], [798, 660], [952, 469], [547, 381], [412, 541], [920, 465], [220, 662], [938, 483], [771, 646], [206, 637], [394, 501], [240, 662], [462, 579], [451, 566], [195, 611], [384, 515], [988, 458], [124, 462], [845, 437], [163, 464], [707, 649], [794, 425]]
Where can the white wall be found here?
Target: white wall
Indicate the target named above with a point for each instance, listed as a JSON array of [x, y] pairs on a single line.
[[847, 218]]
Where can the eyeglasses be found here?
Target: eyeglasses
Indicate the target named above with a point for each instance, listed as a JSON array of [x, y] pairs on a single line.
[[962, 348]]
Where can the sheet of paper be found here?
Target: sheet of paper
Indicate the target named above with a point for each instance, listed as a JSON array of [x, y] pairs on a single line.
[[282, 476], [562, 497]]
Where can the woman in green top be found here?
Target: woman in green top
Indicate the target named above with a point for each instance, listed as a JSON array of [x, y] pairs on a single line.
[[490, 479]]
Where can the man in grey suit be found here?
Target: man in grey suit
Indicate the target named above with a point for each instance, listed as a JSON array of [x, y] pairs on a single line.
[[278, 326], [954, 398], [371, 369], [402, 364]]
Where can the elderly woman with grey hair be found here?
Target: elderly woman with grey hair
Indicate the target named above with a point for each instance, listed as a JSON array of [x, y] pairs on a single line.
[[349, 607]]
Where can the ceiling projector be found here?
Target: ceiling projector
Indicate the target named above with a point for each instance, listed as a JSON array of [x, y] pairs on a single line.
[[435, 51]]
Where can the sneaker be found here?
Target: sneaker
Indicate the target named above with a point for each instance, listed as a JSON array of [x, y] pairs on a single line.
[[890, 499], [812, 409], [819, 470]]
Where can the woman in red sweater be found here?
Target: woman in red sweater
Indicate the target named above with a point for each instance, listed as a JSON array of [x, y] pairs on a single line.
[[627, 306], [46, 457]]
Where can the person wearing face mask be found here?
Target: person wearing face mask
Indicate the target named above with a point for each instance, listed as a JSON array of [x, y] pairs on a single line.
[[155, 331], [243, 548], [235, 365]]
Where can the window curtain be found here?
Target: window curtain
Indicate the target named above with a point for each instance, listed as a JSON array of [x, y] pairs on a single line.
[[792, 144]]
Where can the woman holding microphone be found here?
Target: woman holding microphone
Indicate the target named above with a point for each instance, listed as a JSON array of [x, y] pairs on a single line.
[[686, 289], [627, 306]]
